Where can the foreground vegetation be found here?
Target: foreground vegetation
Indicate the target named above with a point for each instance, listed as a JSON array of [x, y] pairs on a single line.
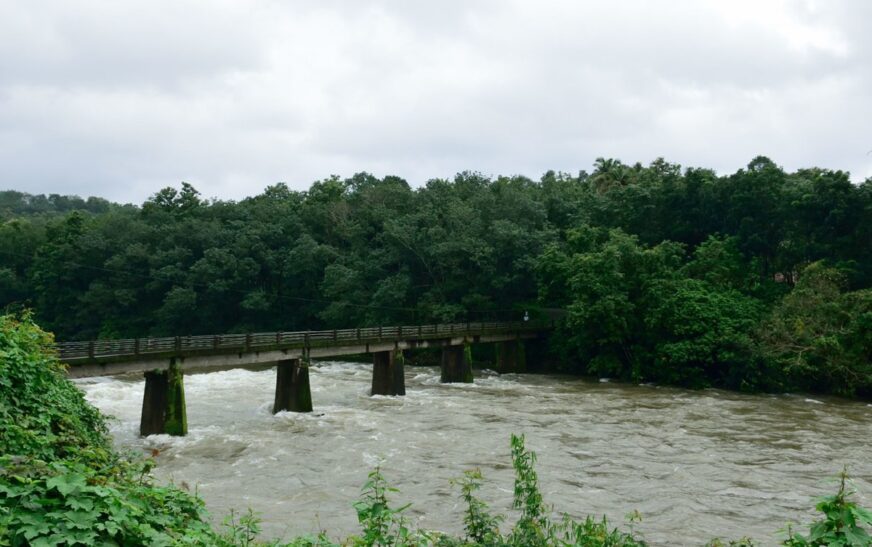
[[758, 280], [61, 483]]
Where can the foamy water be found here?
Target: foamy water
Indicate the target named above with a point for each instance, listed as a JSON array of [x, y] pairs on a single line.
[[696, 464]]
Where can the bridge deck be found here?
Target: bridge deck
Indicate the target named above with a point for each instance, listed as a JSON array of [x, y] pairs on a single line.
[[106, 357]]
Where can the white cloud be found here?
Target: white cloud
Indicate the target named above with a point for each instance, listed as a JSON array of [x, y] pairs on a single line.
[[120, 99]]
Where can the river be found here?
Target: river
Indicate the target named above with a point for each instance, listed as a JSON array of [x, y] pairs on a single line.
[[695, 464]]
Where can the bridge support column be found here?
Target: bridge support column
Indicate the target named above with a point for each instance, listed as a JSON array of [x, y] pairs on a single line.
[[388, 373], [292, 387], [456, 365], [511, 357], [163, 403]]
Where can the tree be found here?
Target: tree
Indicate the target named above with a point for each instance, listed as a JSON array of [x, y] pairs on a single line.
[[702, 335], [607, 277], [820, 335]]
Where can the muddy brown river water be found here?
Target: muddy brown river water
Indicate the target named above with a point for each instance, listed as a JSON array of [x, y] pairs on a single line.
[[695, 464]]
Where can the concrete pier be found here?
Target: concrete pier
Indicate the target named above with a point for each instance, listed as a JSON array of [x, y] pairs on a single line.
[[456, 367], [510, 356], [163, 403], [292, 387], [388, 373]]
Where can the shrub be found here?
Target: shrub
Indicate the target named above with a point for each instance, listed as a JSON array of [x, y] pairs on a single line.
[[42, 415], [844, 523], [60, 481]]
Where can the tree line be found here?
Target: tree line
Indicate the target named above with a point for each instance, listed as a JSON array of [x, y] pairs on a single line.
[[756, 280]]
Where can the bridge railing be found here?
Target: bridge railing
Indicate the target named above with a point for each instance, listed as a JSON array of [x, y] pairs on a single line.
[[132, 347]]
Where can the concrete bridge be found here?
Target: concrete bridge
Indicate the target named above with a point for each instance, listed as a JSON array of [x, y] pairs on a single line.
[[164, 361]]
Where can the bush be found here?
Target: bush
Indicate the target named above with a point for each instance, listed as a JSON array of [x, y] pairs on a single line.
[[60, 481], [844, 523], [71, 503], [42, 415], [386, 526], [821, 336]]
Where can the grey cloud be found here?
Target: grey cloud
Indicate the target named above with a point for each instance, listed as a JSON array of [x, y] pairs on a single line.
[[146, 44], [120, 99]]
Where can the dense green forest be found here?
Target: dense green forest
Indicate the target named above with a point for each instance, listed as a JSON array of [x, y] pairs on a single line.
[[758, 280]]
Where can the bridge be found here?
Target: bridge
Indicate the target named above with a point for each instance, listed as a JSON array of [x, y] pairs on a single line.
[[164, 361]]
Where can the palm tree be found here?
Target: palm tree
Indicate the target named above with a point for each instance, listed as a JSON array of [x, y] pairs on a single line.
[[608, 174]]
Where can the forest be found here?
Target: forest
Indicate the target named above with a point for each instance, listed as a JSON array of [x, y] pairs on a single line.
[[759, 280]]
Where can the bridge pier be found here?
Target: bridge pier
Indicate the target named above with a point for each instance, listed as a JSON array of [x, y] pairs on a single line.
[[163, 403], [511, 356], [456, 364], [388, 373], [292, 387]]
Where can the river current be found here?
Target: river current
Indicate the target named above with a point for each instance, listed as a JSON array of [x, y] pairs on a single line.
[[695, 464]]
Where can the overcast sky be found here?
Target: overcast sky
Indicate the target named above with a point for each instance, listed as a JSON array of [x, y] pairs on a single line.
[[119, 99]]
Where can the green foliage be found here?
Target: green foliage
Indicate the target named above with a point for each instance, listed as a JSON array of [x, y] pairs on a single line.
[[481, 527], [382, 524], [42, 415], [633, 314], [242, 531], [533, 526], [67, 502], [743, 542], [820, 335], [844, 523], [605, 275], [717, 260], [700, 335], [60, 481], [590, 532]]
